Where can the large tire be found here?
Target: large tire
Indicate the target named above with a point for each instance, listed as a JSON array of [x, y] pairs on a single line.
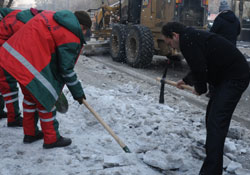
[[139, 46], [117, 43]]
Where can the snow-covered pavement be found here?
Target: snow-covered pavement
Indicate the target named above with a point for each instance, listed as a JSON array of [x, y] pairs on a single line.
[[164, 138]]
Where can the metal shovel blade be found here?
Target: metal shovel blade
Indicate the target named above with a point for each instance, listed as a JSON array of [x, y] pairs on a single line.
[[62, 104]]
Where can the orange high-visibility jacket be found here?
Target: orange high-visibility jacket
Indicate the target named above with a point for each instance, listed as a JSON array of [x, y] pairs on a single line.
[[42, 54], [9, 24], [12, 21]]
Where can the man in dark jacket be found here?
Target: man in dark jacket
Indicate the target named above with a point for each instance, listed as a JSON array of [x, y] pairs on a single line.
[[214, 60], [226, 23]]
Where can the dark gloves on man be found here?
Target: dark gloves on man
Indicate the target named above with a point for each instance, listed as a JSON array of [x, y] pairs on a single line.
[[81, 98]]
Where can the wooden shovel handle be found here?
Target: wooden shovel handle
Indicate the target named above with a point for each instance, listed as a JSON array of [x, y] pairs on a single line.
[[111, 132], [173, 83]]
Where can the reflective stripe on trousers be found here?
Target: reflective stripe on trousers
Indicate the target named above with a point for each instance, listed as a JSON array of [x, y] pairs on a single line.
[[48, 121], [9, 91]]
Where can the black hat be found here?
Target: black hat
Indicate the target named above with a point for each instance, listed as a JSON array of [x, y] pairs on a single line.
[[83, 18]]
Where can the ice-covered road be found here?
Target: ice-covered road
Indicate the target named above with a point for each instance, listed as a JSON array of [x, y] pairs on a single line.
[[168, 137]]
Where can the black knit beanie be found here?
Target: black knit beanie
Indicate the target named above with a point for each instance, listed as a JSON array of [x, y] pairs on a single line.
[[83, 18]]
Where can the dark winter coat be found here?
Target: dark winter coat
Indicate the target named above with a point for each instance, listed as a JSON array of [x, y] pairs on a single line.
[[227, 25], [212, 59]]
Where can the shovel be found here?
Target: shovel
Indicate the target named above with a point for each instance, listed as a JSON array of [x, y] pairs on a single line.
[[123, 146], [62, 104], [173, 83]]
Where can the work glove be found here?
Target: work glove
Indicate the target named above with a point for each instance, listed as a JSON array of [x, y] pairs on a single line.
[[81, 98]]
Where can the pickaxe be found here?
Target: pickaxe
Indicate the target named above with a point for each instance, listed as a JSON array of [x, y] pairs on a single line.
[[173, 83], [163, 80]]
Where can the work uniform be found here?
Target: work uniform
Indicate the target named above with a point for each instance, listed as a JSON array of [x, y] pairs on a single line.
[[215, 60], [2, 113], [41, 56], [12, 21]]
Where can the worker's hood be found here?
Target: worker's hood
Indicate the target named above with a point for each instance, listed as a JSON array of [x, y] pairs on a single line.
[[5, 11], [25, 16], [228, 15], [68, 20]]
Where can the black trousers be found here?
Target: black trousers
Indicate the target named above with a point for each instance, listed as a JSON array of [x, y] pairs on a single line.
[[220, 108], [1, 105]]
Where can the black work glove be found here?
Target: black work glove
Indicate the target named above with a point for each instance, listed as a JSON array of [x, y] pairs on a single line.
[[81, 98]]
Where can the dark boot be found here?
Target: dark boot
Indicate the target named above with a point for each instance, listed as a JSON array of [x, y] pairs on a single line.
[[3, 115], [61, 142], [208, 95], [30, 139], [17, 123]]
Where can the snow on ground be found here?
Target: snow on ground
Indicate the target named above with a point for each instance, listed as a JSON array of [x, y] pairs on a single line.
[[164, 138]]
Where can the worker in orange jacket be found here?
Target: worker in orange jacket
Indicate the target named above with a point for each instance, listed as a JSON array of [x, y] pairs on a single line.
[[41, 56], [11, 22]]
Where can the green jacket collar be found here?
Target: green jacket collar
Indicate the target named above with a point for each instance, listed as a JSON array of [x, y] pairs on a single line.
[[5, 11], [24, 16]]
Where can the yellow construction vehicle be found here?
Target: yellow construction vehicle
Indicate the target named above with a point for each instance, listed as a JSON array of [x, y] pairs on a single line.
[[102, 18], [135, 34]]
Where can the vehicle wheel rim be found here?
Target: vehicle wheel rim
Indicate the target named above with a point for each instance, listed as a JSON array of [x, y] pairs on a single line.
[[115, 44], [132, 49]]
